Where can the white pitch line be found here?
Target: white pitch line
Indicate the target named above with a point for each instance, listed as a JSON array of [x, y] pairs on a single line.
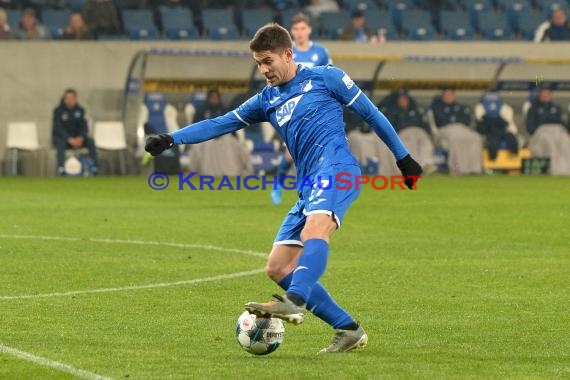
[[137, 242], [136, 287], [51, 363]]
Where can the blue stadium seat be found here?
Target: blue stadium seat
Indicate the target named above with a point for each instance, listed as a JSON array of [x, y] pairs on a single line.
[[527, 24], [514, 8], [475, 7], [416, 25], [378, 20], [332, 23], [75, 5], [396, 8], [253, 19], [219, 24], [548, 5], [360, 5], [139, 24], [494, 26], [177, 23], [286, 15], [13, 17], [455, 25], [55, 21], [113, 37]]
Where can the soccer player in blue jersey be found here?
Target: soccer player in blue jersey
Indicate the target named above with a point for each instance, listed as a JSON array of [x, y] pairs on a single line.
[[305, 106], [307, 54]]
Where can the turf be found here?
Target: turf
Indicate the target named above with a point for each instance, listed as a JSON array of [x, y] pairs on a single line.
[[465, 278]]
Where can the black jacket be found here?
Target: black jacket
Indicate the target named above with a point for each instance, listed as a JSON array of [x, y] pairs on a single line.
[[543, 113], [68, 122], [445, 114]]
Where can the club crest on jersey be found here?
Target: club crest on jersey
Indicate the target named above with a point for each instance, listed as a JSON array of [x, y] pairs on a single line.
[[306, 85], [347, 81], [284, 112]]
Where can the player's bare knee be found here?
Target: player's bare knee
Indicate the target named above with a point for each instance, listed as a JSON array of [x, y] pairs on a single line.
[[277, 272]]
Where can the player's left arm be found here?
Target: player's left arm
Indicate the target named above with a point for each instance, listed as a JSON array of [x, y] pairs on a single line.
[[347, 92]]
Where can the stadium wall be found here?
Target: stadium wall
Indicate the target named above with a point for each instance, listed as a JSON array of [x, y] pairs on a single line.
[[34, 74]]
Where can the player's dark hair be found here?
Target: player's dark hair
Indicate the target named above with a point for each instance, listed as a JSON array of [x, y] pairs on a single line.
[[70, 91], [300, 17], [271, 37]]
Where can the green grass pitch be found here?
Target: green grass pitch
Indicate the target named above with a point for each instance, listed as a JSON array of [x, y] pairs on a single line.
[[464, 278]]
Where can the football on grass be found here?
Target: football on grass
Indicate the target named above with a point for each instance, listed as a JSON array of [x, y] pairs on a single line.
[[257, 335]]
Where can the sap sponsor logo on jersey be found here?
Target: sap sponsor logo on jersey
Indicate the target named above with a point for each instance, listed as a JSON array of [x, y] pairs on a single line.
[[283, 113], [347, 81]]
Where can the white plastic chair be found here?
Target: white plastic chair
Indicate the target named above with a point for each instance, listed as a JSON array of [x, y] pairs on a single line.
[[21, 136], [110, 135]]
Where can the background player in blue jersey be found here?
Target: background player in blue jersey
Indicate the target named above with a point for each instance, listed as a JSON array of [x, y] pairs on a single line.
[[305, 106], [307, 54]]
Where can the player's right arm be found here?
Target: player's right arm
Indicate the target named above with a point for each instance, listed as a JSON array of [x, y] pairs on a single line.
[[246, 114]]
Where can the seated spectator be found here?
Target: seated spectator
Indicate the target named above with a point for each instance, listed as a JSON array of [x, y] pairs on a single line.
[[546, 123], [451, 126], [357, 30], [70, 129], [30, 28], [101, 17], [408, 120], [211, 108], [5, 31], [555, 29], [495, 122], [76, 29]]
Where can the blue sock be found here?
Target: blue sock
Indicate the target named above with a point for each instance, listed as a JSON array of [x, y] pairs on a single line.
[[321, 304], [310, 268]]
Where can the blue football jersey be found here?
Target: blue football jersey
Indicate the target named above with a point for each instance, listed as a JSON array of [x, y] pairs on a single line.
[[307, 112], [317, 55]]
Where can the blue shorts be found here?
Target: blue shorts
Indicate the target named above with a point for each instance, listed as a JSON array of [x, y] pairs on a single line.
[[326, 198]]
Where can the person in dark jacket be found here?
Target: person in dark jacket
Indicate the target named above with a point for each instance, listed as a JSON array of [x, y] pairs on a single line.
[[403, 111], [70, 129], [544, 111], [446, 110]]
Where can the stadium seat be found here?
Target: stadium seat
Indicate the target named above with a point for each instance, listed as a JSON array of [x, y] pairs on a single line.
[[253, 19], [13, 17], [110, 136], [494, 26], [331, 23], [396, 8], [548, 5], [219, 24], [360, 5], [286, 15], [113, 37], [22, 136], [474, 8], [75, 5], [455, 25], [416, 25], [513, 9], [379, 20], [55, 21], [177, 23], [139, 24], [527, 24]]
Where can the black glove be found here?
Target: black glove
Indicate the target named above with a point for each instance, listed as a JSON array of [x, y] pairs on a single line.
[[156, 144], [409, 167]]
